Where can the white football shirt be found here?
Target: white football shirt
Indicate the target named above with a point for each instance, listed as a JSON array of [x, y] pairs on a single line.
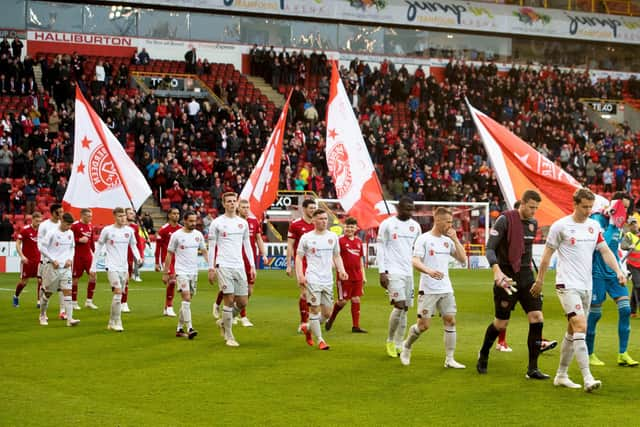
[[575, 244], [229, 235], [395, 245], [319, 250], [58, 246], [434, 252], [45, 227], [184, 247], [116, 241]]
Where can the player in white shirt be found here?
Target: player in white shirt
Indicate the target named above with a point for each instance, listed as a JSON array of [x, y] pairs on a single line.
[[45, 226], [57, 249], [431, 254], [228, 235], [184, 245], [116, 239], [575, 237], [396, 236], [321, 250]]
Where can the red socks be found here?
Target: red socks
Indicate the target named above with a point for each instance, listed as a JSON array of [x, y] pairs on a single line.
[[355, 314], [334, 313], [304, 310], [502, 338], [125, 293], [21, 285], [171, 290], [91, 288], [74, 292]]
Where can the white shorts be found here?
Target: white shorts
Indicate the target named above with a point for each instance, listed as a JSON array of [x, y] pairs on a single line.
[[401, 289], [575, 302], [319, 294], [118, 279], [56, 279], [187, 282], [428, 303], [233, 281]]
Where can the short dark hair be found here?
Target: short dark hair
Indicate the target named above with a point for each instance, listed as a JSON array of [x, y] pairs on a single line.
[[85, 211], [405, 199], [351, 221], [67, 217], [187, 214], [228, 194], [531, 195], [307, 202], [583, 194], [118, 210], [54, 207], [318, 212], [620, 195]]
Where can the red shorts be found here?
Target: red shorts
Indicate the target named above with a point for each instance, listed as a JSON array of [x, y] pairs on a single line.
[[80, 265], [348, 289], [29, 270]]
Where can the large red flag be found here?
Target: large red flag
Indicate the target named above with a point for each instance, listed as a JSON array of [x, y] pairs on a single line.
[[519, 167], [350, 166], [261, 188], [103, 176]]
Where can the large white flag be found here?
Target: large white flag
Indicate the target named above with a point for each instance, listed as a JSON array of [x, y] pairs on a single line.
[[261, 188], [103, 176], [350, 166]]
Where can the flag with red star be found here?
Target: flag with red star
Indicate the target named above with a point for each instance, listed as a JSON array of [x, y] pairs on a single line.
[[350, 166], [103, 176]]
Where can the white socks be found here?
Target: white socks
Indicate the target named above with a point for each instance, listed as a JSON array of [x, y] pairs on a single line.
[[44, 303], [394, 322], [116, 305], [566, 355], [314, 325], [68, 307], [449, 341], [582, 354], [227, 321], [402, 328], [185, 311], [414, 334], [61, 301]]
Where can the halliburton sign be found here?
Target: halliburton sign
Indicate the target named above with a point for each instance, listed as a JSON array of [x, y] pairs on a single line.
[[85, 44]]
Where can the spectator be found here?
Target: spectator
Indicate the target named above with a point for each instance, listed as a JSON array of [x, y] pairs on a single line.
[[143, 57], [6, 230], [147, 223], [18, 202], [100, 75], [175, 195], [30, 193], [190, 59], [6, 160]]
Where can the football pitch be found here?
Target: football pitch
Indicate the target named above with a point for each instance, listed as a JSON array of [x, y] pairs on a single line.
[[145, 376]]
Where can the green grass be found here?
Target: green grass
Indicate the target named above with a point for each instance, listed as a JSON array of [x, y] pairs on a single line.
[[145, 376]]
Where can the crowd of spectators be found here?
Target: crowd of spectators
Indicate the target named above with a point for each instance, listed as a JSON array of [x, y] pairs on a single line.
[[189, 148]]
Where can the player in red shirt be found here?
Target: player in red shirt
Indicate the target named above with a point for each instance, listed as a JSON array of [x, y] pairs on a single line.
[[297, 228], [351, 252], [27, 248], [131, 222], [162, 242], [257, 246], [82, 258]]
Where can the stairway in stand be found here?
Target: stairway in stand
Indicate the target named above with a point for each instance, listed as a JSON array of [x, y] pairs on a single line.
[[266, 89]]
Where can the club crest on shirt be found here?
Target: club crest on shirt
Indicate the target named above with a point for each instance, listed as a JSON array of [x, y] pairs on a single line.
[[446, 245], [425, 312], [197, 240], [432, 252], [494, 232], [240, 226], [126, 235], [531, 228], [394, 236], [313, 251], [411, 228], [578, 306], [331, 241], [224, 234], [182, 247], [572, 241], [590, 230]]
